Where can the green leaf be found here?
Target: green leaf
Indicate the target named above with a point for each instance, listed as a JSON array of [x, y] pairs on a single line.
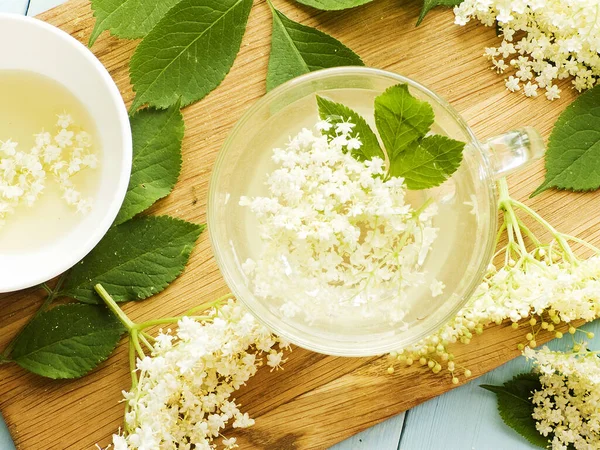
[[573, 155], [401, 119], [429, 162], [68, 341], [297, 49], [428, 5], [157, 137], [333, 5], [516, 408], [128, 19], [135, 260], [336, 113], [189, 52]]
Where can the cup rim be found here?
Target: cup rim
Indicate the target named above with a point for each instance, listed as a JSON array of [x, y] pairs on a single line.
[[75, 254], [380, 346]]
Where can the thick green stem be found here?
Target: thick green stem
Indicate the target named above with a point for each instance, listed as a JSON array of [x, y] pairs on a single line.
[[112, 305]]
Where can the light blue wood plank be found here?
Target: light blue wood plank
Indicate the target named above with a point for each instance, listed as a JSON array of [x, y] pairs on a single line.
[[39, 6], [13, 6], [467, 418], [6, 442], [384, 436]]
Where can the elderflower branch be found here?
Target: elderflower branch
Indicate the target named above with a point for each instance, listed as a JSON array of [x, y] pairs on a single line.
[[546, 281]]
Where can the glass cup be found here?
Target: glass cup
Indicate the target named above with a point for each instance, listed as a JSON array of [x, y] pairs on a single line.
[[467, 218]]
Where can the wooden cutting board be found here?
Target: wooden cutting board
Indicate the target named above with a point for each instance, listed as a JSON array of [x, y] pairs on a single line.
[[317, 400]]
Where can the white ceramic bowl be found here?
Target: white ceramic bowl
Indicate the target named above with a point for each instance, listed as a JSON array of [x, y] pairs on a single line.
[[32, 45]]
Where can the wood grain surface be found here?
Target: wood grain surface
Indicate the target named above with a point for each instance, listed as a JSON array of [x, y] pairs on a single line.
[[317, 400]]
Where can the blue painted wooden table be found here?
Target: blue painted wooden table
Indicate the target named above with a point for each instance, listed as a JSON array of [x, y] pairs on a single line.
[[463, 419]]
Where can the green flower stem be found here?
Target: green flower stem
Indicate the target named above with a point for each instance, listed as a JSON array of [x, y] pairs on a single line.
[[165, 321], [146, 342], [53, 294], [559, 237], [208, 305], [112, 305], [132, 367]]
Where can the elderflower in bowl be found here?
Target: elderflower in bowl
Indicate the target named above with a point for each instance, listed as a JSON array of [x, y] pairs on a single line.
[[65, 152], [353, 211]]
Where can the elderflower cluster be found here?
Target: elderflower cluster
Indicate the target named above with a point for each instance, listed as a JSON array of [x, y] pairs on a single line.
[[183, 397], [547, 284], [339, 239], [543, 41], [567, 408], [559, 291], [24, 175]]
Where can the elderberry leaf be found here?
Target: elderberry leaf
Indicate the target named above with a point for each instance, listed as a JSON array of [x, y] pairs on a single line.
[[333, 5], [516, 408], [428, 162], [428, 5], [297, 49], [128, 19], [157, 137], [401, 119], [573, 155], [189, 52], [135, 260], [68, 341]]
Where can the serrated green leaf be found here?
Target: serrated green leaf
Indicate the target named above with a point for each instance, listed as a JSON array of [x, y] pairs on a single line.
[[516, 408], [68, 341], [135, 260], [573, 155], [429, 162], [297, 49], [428, 5], [128, 19], [333, 5], [157, 137], [401, 119], [336, 113], [189, 52]]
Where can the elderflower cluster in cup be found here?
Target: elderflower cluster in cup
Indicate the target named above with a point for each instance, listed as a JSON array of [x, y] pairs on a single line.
[[543, 41], [339, 238], [567, 407], [182, 398], [24, 174], [546, 284]]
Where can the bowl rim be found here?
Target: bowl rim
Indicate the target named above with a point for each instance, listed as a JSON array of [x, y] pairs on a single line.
[[380, 346], [68, 259]]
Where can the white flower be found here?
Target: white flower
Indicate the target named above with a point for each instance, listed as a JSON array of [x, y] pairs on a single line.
[[512, 84], [64, 138], [324, 125], [336, 235], [437, 288], [344, 127], [170, 408], [23, 174], [556, 39], [9, 147], [64, 120], [568, 404], [530, 89]]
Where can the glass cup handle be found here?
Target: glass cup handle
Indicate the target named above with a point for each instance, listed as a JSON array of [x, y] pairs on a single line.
[[514, 150]]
